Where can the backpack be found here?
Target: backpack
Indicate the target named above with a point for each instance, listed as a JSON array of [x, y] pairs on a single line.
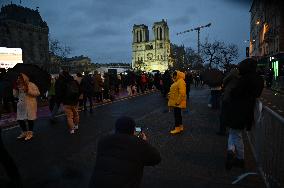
[[72, 90]]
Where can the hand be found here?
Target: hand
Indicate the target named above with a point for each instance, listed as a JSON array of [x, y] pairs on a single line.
[[143, 136]]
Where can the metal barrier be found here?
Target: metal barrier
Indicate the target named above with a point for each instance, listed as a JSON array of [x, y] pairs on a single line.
[[267, 142]]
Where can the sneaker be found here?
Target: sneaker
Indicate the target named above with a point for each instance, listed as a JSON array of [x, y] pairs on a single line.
[[22, 135], [76, 127], [175, 131], [72, 131], [29, 135], [230, 160]]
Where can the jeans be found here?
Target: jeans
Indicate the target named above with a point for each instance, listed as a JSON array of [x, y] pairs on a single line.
[[235, 142], [90, 98], [178, 117], [23, 125], [52, 102], [55, 110], [215, 94], [72, 115]]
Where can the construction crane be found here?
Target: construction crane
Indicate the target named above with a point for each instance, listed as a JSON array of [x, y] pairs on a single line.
[[198, 33]]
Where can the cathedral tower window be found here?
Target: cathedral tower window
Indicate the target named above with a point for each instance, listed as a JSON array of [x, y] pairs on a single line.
[[161, 34], [157, 32], [137, 36], [140, 36]]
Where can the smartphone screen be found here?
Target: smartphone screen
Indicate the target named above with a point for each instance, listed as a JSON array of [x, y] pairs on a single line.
[[138, 129]]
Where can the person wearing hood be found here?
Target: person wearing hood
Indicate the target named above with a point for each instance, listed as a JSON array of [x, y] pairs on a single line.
[[26, 92], [70, 98], [122, 156], [229, 82], [177, 100], [240, 110]]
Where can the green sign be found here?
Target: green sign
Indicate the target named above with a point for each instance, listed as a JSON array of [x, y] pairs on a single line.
[[275, 67]]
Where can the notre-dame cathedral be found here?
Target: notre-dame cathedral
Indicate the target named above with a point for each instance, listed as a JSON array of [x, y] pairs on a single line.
[[149, 55]]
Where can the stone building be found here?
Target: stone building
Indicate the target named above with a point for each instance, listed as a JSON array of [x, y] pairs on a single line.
[[149, 55], [267, 37], [267, 28], [24, 28], [78, 64]]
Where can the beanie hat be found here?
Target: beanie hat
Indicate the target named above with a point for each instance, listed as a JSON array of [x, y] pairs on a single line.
[[125, 125]]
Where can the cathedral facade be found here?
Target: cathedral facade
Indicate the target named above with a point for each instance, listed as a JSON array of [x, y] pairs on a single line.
[[150, 55]]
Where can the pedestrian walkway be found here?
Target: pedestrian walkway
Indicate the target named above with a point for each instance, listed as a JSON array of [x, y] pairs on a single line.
[[274, 100], [196, 157], [43, 111]]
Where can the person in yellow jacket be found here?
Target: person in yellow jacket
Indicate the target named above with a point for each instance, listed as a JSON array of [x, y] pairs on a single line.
[[177, 99]]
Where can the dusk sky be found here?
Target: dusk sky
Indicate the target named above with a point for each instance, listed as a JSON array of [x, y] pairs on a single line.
[[102, 29]]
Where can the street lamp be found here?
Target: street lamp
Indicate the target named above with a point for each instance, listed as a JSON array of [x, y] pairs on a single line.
[[257, 22]]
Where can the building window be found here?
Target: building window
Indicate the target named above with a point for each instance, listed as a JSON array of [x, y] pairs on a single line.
[[157, 34], [161, 45], [137, 36], [140, 36], [161, 34]]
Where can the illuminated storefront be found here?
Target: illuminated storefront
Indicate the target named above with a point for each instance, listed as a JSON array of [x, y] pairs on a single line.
[[9, 57]]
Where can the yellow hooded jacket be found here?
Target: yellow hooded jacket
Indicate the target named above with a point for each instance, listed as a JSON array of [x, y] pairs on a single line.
[[177, 94]]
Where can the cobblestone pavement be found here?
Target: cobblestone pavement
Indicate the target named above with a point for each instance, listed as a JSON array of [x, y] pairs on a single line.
[[55, 159]]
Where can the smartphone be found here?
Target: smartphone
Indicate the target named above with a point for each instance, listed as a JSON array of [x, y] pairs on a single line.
[[138, 129]]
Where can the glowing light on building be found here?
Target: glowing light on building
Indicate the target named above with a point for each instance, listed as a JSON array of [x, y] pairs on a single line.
[[275, 66], [9, 57]]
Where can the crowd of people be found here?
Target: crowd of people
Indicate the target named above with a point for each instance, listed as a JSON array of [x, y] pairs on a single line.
[[122, 156]]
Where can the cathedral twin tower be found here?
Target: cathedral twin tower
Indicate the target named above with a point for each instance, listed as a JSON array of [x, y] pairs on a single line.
[[149, 55]]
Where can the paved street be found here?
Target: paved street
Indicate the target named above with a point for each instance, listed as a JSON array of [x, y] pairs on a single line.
[[56, 159], [274, 100]]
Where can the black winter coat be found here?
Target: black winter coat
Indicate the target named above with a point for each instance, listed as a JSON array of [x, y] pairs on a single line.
[[120, 161], [87, 85], [241, 106], [61, 93]]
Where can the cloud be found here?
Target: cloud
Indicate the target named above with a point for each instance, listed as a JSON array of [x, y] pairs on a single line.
[[182, 20], [4, 2], [244, 3], [101, 29]]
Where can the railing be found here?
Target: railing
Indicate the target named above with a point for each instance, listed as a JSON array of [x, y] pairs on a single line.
[[267, 142]]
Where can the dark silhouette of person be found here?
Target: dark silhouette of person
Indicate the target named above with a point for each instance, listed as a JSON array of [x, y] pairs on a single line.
[[9, 165], [121, 157]]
